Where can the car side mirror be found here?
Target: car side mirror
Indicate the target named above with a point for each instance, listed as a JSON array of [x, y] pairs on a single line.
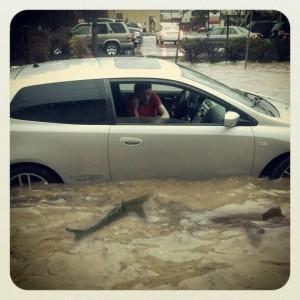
[[231, 119]]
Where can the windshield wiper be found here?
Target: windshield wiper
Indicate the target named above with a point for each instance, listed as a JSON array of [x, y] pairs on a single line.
[[255, 99]]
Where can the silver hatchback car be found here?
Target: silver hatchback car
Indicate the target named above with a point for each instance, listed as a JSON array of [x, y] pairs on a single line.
[[69, 123]]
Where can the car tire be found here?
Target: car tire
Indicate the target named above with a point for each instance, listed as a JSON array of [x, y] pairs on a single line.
[[281, 170], [111, 49], [35, 173]]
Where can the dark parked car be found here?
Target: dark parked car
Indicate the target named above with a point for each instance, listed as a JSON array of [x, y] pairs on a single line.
[[262, 27], [281, 30]]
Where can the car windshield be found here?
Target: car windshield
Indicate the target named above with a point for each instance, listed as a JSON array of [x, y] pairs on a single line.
[[249, 99]]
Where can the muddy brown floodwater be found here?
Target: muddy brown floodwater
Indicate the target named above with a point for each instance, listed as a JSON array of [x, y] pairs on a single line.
[[194, 235]]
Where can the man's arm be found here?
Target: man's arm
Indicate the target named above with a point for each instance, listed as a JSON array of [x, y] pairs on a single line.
[[133, 106], [163, 112]]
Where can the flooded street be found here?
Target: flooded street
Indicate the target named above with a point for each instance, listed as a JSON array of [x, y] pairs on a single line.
[[212, 234]]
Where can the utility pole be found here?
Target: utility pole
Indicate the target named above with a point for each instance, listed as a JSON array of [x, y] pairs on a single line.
[[227, 34], [208, 20], [94, 35], [178, 37], [248, 40]]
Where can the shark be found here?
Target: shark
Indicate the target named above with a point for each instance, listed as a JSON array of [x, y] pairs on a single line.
[[120, 211]]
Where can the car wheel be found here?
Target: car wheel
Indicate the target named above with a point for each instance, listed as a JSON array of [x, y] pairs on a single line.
[[25, 176], [111, 49], [281, 170]]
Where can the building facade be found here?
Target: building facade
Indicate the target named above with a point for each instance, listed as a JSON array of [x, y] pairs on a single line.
[[148, 19]]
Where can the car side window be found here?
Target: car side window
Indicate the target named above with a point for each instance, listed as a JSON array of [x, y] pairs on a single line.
[[217, 31], [82, 29], [101, 29], [232, 31], [117, 27], [76, 102], [185, 106]]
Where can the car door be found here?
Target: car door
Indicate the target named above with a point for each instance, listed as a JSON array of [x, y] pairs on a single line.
[[84, 32], [118, 32], [216, 35], [102, 33], [178, 149], [63, 126]]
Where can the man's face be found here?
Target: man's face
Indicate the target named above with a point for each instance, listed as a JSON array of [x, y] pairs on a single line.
[[144, 96]]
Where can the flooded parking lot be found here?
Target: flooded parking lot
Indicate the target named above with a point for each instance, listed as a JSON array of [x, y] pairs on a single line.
[[211, 234]]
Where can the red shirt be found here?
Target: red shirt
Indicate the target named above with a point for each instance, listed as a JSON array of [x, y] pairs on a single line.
[[150, 109]]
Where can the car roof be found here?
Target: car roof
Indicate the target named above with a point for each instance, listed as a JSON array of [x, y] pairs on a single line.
[[230, 26], [93, 68]]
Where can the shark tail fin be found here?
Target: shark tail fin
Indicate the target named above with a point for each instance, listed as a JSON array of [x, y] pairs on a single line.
[[79, 234]]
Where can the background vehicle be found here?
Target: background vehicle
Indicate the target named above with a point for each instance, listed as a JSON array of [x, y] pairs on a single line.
[[134, 25], [281, 30], [73, 126], [168, 33], [262, 27], [218, 35], [112, 37], [136, 32]]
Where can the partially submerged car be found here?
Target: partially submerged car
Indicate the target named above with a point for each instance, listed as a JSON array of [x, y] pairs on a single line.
[[112, 37], [69, 123], [281, 30], [218, 35]]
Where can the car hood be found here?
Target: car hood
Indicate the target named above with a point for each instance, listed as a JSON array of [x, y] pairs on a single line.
[[283, 108]]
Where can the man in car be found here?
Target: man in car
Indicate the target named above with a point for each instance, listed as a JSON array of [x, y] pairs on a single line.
[[146, 103]]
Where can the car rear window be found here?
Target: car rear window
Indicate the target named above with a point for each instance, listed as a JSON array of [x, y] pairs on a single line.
[[217, 31], [76, 102], [117, 27], [101, 28]]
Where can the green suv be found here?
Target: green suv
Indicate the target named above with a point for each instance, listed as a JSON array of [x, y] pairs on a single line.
[[112, 37]]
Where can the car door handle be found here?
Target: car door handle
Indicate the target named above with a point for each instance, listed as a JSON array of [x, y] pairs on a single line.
[[128, 141]]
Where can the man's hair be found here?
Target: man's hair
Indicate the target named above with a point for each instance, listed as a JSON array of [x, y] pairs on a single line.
[[141, 86]]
